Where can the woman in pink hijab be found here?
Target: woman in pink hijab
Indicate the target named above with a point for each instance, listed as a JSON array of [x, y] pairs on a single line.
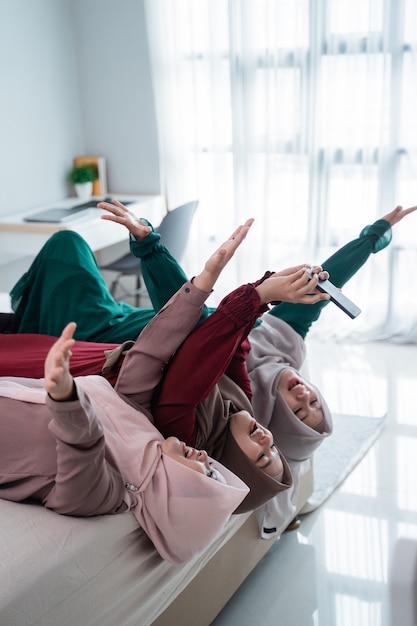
[[81, 447]]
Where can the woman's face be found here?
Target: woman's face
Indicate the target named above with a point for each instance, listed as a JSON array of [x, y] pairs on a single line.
[[197, 460], [256, 442], [301, 398]]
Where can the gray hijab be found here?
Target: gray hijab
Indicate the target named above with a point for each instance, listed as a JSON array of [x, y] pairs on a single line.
[[275, 346]]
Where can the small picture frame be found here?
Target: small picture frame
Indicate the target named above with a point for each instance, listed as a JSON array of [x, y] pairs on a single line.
[[99, 162]]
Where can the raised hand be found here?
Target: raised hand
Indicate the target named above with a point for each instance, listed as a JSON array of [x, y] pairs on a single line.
[[206, 280], [398, 214], [117, 212], [58, 380]]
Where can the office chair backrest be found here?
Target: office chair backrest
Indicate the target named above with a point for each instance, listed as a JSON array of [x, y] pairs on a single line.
[[175, 228]]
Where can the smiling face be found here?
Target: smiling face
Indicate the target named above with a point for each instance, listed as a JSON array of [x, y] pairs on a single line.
[[256, 442], [301, 398], [197, 460]]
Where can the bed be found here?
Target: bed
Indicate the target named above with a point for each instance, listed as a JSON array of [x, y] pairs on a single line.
[[104, 571]]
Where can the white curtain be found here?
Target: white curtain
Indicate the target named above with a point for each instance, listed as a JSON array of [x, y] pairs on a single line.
[[301, 114]]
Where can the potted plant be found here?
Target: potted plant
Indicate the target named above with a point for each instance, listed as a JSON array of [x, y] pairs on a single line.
[[82, 177]]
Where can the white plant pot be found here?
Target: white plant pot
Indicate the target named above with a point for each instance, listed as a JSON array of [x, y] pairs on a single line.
[[84, 190]]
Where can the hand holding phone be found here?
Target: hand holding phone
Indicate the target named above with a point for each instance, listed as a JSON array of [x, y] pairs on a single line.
[[336, 296]]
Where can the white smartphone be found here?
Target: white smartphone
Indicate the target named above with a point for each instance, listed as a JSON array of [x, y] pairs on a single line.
[[336, 296]]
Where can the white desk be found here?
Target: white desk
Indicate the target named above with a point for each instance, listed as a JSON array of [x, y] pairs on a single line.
[[27, 238], [20, 241]]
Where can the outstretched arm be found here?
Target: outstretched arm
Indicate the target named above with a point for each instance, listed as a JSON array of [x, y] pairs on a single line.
[[294, 286], [80, 442], [342, 265], [143, 365], [161, 272]]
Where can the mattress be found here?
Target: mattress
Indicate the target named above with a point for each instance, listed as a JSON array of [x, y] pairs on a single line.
[[102, 570]]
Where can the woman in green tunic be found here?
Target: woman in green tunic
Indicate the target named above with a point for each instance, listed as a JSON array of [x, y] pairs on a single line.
[[64, 282]]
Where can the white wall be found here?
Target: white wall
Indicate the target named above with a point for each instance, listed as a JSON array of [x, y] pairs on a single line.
[[117, 101], [75, 79], [40, 126]]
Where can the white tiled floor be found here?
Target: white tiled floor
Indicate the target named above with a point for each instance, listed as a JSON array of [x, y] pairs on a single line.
[[334, 570]]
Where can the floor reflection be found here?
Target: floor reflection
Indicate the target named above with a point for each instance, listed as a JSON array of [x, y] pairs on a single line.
[[334, 570]]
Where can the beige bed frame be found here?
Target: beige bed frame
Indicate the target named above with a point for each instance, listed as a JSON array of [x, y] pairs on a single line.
[[213, 586]]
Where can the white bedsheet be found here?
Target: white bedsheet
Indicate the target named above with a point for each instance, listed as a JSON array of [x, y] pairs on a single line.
[[66, 571]]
